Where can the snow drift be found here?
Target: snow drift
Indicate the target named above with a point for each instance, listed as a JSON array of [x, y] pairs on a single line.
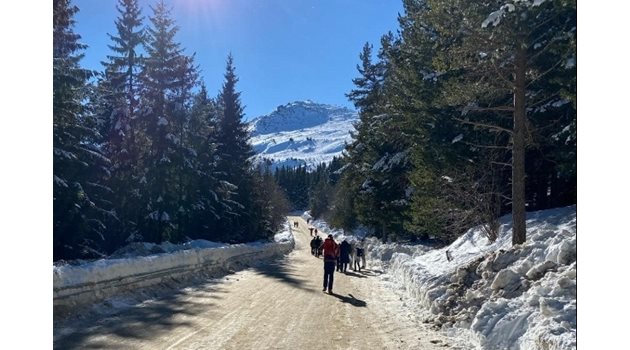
[[135, 268], [496, 295]]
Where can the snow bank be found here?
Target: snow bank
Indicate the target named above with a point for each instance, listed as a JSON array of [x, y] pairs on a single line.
[[78, 285], [496, 295]]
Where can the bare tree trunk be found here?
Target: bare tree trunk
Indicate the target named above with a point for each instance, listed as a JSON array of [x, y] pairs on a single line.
[[518, 150]]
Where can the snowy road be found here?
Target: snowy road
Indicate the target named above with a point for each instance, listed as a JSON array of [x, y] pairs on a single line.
[[275, 306]]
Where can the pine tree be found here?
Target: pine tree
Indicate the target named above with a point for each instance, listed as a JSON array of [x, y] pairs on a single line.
[[367, 98], [500, 58], [204, 193], [168, 78], [125, 141], [234, 160], [271, 203], [80, 197], [412, 92], [379, 154], [320, 197], [368, 86]]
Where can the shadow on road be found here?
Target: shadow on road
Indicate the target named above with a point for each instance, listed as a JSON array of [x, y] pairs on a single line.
[[282, 271], [370, 273], [352, 274], [144, 321], [350, 299]]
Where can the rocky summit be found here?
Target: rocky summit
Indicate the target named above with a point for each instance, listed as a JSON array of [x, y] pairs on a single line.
[[302, 133]]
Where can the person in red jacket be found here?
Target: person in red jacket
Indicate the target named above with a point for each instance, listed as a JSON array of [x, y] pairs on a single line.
[[331, 251]]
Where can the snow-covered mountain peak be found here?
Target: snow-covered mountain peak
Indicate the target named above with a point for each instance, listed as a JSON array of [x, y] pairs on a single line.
[[299, 115], [302, 133]]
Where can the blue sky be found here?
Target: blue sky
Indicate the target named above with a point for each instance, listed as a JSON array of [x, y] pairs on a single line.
[[284, 50]]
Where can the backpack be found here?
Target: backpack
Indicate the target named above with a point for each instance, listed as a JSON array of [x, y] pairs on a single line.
[[359, 251]]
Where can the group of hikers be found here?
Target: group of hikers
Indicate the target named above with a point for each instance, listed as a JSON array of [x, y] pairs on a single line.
[[337, 256]]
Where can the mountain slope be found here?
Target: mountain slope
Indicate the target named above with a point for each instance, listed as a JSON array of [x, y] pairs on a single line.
[[302, 133]]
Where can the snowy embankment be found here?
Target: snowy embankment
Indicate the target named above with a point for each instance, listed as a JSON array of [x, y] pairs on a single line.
[[496, 295], [93, 282]]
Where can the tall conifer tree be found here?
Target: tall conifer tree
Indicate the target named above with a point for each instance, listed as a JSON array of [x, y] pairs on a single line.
[[80, 198], [234, 159], [125, 141], [204, 194], [379, 154], [168, 78], [502, 58]]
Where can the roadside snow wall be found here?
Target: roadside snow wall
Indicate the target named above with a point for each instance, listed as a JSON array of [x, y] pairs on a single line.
[[82, 285]]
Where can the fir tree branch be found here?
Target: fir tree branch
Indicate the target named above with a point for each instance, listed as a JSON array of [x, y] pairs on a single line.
[[492, 109], [483, 125], [552, 68], [486, 146]]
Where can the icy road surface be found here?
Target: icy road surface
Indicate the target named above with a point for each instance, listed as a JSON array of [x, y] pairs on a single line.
[[275, 306]]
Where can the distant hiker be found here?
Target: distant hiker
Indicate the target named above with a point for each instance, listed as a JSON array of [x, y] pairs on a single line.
[[295, 224], [344, 256], [311, 229], [331, 251], [318, 250], [315, 231], [314, 246]]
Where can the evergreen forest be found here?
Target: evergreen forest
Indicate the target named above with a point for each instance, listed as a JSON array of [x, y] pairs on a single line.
[[142, 151], [467, 112]]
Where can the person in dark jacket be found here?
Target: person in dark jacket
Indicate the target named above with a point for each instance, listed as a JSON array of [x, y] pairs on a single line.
[[331, 251], [318, 245], [358, 256], [344, 255], [314, 246]]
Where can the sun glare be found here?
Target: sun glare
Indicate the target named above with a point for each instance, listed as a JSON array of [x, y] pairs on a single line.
[[199, 14], [197, 6]]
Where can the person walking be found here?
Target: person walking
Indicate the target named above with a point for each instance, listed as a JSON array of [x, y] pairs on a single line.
[[331, 251], [344, 255], [358, 259], [318, 246], [314, 246], [363, 252]]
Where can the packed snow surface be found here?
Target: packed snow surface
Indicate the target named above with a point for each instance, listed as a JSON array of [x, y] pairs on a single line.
[[496, 295], [302, 133]]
